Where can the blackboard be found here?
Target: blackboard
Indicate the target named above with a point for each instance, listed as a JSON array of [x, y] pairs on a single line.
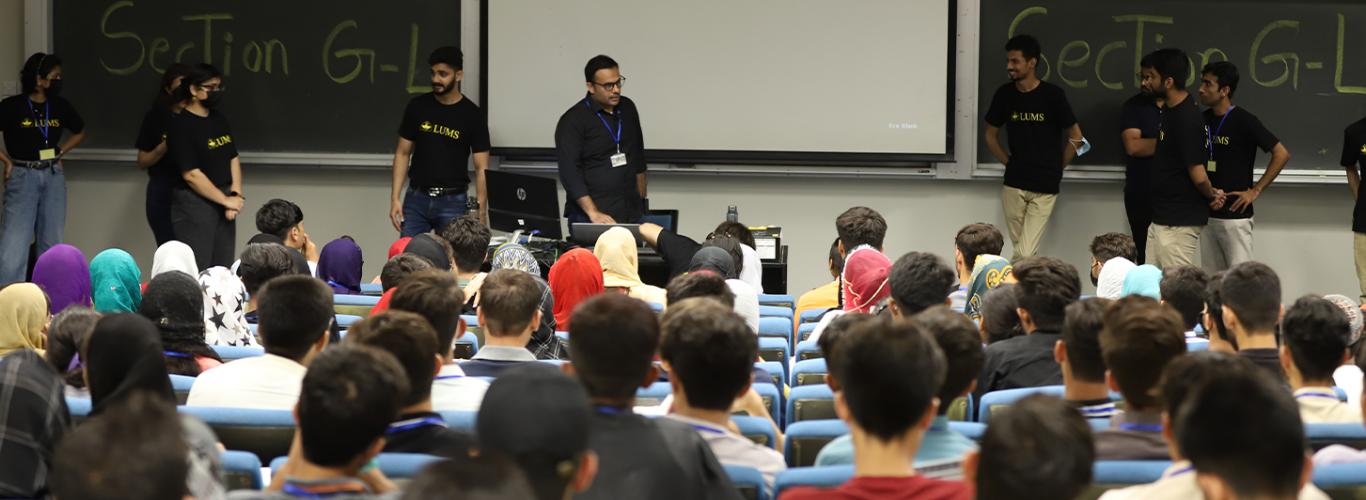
[[1302, 64], [300, 76]]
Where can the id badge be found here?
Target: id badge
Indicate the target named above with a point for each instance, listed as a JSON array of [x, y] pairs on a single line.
[[47, 154], [1212, 166], [619, 160]]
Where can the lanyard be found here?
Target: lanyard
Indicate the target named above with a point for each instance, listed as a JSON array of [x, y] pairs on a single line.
[[416, 423], [1317, 395], [607, 410], [616, 136], [1141, 427], [47, 117], [448, 377], [174, 354], [1183, 470], [1215, 136], [706, 428], [323, 491]]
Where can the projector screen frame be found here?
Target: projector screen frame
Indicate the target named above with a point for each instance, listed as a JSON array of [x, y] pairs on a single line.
[[736, 157]]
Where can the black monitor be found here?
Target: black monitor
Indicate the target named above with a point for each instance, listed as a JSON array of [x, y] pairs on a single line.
[[524, 202], [667, 219]]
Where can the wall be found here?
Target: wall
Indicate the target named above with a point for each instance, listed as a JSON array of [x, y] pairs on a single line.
[[11, 45]]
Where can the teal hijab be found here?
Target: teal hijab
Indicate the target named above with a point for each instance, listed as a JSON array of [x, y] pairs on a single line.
[[115, 282], [1143, 280]]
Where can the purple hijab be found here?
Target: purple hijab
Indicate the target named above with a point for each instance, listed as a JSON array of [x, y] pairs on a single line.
[[64, 274], [340, 265]]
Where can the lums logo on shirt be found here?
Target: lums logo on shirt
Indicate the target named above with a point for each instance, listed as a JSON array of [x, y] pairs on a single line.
[[30, 123], [1221, 140], [1028, 117], [1363, 149], [220, 141], [441, 130]]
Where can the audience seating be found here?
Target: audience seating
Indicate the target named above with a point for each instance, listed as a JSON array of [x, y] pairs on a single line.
[[181, 384], [1196, 344], [773, 397], [808, 349], [776, 371], [1119, 473], [354, 300], [460, 420], [1008, 397], [241, 471], [656, 307], [1322, 435], [821, 477], [804, 331], [652, 395], [267, 433], [771, 326], [748, 481], [371, 289], [466, 346], [810, 402], [563, 336], [970, 430], [346, 320], [960, 409], [775, 312], [774, 349], [472, 326], [809, 372], [230, 352], [79, 408], [1341, 480], [806, 438], [393, 465], [757, 429], [811, 316], [780, 300]]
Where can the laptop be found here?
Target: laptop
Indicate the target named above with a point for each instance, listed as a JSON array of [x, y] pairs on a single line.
[[586, 234], [524, 202]]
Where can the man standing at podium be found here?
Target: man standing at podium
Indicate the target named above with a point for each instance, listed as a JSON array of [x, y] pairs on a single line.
[[601, 151]]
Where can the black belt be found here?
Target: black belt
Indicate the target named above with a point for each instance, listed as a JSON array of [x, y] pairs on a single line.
[[436, 192], [35, 165]]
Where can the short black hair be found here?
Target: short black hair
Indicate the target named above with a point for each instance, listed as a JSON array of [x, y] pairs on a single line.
[[711, 351], [124, 452], [487, 476], [1253, 291], [1170, 63], [262, 262], [1027, 45], [1316, 333], [438, 298], [1000, 321], [412, 342], [836, 260], [1140, 337], [834, 332], [278, 216], [38, 65], [957, 338], [1041, 449], [293, 313], [861, 226], [469, 240], [700, 284], [890, 372], [1110, 245], [919, 280], [448, 55], [1258, 454], [1214, 308], [735, 230], [612, 342], [1186, 373], [349, 396], [508, 299], [976, 239], [1183, 288], [597, 63], [1225, 74], [1081, 326], [1044, 287], [731, 246], [398, 269]]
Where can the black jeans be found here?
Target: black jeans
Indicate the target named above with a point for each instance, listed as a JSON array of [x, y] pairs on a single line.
[[203, 226], [159, 193], [1138, 206]]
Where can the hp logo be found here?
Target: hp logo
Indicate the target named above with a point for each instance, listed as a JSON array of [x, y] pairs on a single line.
[[521, 194]]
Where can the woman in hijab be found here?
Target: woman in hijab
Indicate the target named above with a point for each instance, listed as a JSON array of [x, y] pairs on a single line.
[[64, 338], [988, 272], [115, 282], [174, 256], [1110, 281], [225, 302], [399, 245], [1145, 280], [863, 285], [427, 247], [717, 260], [23, 318], [616, 251], [35, 418], [544, 344], [340, 265], [175, 303], [64, 275], [574, 278]]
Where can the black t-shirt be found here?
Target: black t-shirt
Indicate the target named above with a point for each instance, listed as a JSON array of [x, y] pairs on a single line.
[[23, 124], [1235, 138], [677, 251], [666, 458], [1034, 123], [585, 140], [151, 135], [1354, 156], [443, 138], [418, 433], [1140, 112], [204, 143], [1181, 143]]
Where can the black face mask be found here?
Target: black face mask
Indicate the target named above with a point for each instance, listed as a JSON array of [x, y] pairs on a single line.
[[214, 99], [54, 88]]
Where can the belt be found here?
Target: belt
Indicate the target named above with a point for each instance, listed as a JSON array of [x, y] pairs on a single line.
[[35, 165], [435, 192]]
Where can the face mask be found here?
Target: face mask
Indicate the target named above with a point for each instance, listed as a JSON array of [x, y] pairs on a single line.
[[54, 88], [213, 99]]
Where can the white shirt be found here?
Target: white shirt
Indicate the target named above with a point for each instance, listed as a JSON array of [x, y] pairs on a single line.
[[453, 391], [733, 449], [267, 382], [1320, 405], [1348, 377], [746, 303], [1178, 481]]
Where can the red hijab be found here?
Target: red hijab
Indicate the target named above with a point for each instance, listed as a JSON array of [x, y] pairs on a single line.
[[573, 279], [398, 246], [864, 282], [383, 304]]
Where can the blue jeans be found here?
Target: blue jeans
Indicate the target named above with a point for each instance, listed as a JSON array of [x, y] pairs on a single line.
[[423, 213], [35, 204]]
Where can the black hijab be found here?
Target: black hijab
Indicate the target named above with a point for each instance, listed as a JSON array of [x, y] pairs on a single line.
[[424, 246], [123, 356], [35, 418], [175, 303]]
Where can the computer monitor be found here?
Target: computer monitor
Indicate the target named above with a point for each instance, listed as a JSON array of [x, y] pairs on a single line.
[[667, 219], [524, 202]]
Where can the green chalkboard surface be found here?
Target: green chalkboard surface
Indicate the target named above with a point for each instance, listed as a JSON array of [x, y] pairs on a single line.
[[301, 75], [1302, 64]]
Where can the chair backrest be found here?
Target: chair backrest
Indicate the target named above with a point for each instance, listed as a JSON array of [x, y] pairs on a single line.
[[773, 399], [811, 316], [809, 372], [1128, 472], [346, 320], [181, 384], [466, 346], [241, 471], [354, 300], [808, 349], [1341, 480], [997, 399], [810, 402], [267, 433], [970, 430], [78, 407], [960, 409], [779, 300], [653, 395], [772, 326], [805, 439], [776, 312], [774, 349], [804, 331], [459, 420], [1196, 344], [820, 477], [1321, 435], [748, 481], [775, 371], [757, 429], [230, 352]]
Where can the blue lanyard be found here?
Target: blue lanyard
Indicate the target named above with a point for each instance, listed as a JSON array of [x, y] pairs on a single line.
[[607, 410], [323, 491], [1181, 471], [616, 136], [1215, 136], [1317, 395], [448, 377], [174, 354], [1141, 427], [408, 425], [47, 117], [710, 429]]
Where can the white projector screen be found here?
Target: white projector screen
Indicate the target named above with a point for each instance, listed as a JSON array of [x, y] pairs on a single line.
[[749, 81]]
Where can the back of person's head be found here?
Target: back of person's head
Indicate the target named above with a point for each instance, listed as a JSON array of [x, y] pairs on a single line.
[[1140, 337], [889, 373], [553, 452], [919, 281], [262, 262], [508, 302], [1183, 288], [124, 452], [700, 284], [1000, 320], [1110, 245], [834, 333], [957, 338], [1040, 449], [732, 246], [65, 335], [399, 268], [710, 351], [861, 226], [410, 340], [293, 312], [1316, 334], [438, 298], [349, 396], [1044, 288], [1186, 373], [735, 230], [448, 55], [1252, 292], [612, 341], [1081, 328], [469, 239], [835, 259], [277, 217], [1214, 310], [1259, 454], [978, 238], [488, 476]]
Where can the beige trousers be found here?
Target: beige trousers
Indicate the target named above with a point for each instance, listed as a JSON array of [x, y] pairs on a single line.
[[1027, 213]]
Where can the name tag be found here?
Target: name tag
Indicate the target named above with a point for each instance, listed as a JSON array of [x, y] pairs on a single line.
[[1211, 166], [619, 159], [47, 154]]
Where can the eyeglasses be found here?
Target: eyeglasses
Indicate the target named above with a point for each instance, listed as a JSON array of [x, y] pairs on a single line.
[[612, 85]]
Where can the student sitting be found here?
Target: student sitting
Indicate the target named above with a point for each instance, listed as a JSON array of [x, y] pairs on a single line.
[[999, 317], [1040, 449], [919, 281], [437, 297], [173, 303], [394, 273], [469, 241], [295, 314], [1315, 333], [95, 461], [488, 476], [1045, 286], [509, 311], [1347, 375], [262, 262], [1113, 255], [1141, 336], [722, 256], [826, 296], [889, 373], [972, 241], [1251, 294], [1083, 367], [1183, 288], [553, 453]]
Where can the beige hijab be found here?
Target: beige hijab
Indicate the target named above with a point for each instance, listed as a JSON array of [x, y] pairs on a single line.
[[23, 318], [616, 251]]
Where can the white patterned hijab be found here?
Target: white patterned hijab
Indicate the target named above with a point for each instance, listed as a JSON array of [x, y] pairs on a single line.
[[225, 302]]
